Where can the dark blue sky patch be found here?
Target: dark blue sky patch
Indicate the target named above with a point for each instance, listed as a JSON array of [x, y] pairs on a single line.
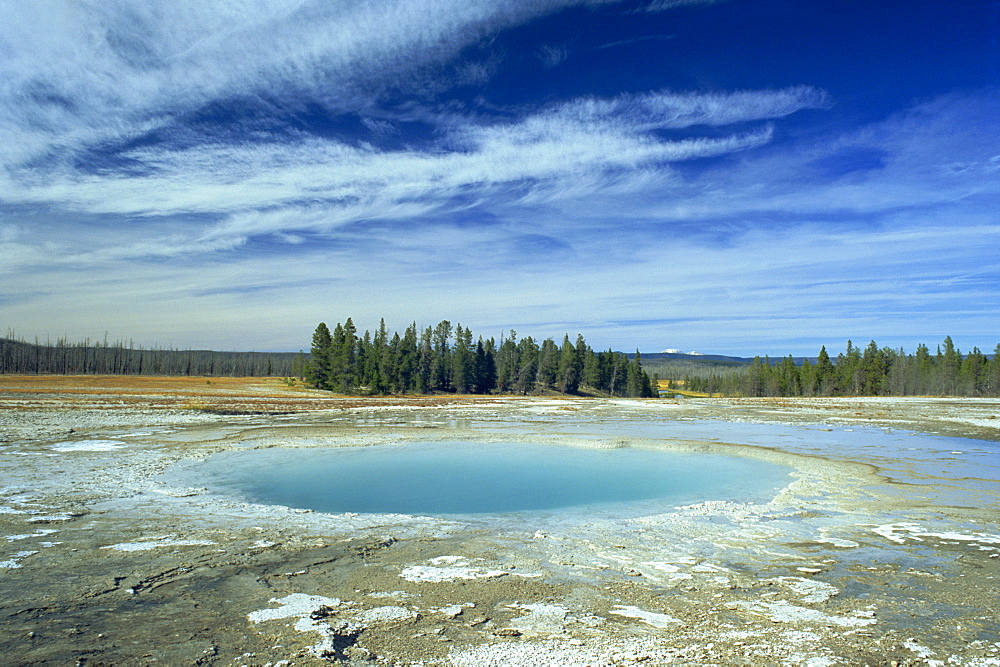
[[247, 119], [112, 160], [876, 55]]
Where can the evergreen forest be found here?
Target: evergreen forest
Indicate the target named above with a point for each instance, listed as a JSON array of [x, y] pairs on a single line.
[[447, 358], [873, 371]]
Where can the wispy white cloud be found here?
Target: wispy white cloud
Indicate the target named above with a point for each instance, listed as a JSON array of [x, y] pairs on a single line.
[[76, 73], [664, 5], [838, 282], [790, 243], [636, 40], [496, 214], [88, 75], [320, 185], [552, 56], [570, 140], [672, 111]]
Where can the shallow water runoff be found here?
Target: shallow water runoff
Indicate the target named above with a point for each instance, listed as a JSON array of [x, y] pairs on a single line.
[[475, 478]]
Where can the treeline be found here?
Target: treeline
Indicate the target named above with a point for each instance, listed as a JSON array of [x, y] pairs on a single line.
[[103, 358], [447, 359], [873, 371]]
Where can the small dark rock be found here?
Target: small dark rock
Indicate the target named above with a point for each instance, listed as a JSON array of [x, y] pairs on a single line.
[[322, 612], [508, 632]]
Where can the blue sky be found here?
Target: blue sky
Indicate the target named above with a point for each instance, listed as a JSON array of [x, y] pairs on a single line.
[[742, 177]]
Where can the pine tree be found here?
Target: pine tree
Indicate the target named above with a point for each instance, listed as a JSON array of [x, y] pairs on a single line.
[[849, 375], [788, 378], [389, 366], [874, 369], [808, 382], [317, 371], [900, 377], [507, 363], [463, 361], [617, 366], [755, 378], [592, 376], [345, 357], [634, 377], [583, 352], [527, 372], [441, 360], [425, 362], [407, 359], [569, 368], [377, 363], [485, 366], [971, 374], [992, 374], [924, 369], [548, 363], [369, 377], [948, 361], [825, 376]]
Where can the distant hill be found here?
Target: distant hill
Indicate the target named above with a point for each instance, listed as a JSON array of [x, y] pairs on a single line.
[[687, 356], [676, 364], [679, 364]]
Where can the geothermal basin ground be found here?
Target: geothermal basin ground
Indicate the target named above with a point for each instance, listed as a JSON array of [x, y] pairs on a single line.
[[119, 545]]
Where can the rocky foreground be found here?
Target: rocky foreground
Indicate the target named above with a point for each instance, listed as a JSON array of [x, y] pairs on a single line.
[[114, 552]]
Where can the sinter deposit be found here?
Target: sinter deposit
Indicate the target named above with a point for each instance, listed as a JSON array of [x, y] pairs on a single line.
[[880, 545]]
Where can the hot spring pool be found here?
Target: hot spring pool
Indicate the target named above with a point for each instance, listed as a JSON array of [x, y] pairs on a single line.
[[469, 478]]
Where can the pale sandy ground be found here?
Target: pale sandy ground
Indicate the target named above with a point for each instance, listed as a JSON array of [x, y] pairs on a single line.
[[112, 552]]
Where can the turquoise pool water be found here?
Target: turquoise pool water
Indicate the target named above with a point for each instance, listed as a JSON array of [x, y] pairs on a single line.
[[451, 478]]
